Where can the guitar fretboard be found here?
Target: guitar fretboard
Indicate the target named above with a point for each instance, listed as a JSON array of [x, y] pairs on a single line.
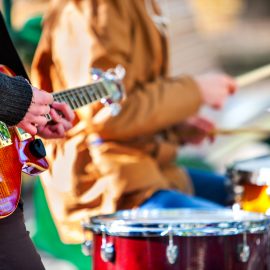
[[80, 96]]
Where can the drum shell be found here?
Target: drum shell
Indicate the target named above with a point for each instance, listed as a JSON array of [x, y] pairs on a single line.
[[195, 252]]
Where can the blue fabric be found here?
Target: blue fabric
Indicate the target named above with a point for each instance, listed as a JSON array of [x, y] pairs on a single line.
[[211, 191], [210, 186], [175, 199]]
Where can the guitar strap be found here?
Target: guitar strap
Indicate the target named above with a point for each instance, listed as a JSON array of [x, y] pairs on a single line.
[[8, 53]]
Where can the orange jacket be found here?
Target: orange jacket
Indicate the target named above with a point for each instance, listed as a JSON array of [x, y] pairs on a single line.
[[136, 157]]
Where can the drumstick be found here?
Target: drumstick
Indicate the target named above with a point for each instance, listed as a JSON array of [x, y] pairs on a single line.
[[253, 76], [224, 131], [242, 81]]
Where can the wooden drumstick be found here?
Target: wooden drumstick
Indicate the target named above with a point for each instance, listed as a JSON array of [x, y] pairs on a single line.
[[253, 76], [242, 81], [235, 131]]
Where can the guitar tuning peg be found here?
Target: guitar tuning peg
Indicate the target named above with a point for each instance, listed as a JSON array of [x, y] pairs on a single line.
[[120, 72], [115, 74], [96, 73], [114, 107]]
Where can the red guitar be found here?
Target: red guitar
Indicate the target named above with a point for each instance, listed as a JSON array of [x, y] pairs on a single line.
[[21, 152]]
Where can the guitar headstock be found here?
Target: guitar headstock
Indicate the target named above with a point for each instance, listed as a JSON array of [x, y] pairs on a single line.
[[112, 81]]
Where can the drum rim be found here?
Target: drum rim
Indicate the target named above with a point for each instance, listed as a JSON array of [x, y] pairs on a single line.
[[238, 174], [102, 224]]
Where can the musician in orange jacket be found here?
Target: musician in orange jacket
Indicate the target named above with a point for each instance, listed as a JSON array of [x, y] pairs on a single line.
[[108, 163], [24, 106]]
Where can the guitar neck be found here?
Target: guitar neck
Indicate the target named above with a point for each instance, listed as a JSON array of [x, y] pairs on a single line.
[[81, 96]]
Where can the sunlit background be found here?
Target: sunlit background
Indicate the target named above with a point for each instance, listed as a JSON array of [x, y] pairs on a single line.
[[206, 36]]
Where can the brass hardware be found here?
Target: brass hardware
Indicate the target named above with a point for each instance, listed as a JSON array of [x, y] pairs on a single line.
[[22, 134]]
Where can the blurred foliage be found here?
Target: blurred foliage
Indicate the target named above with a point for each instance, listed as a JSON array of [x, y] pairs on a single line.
[[26, 39]]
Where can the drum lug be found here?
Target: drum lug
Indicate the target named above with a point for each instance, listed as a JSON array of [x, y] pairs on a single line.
[[243, 250], [171, 250], [172, 253], [107, 251], [87, 245], [243, 253], [87, 248]]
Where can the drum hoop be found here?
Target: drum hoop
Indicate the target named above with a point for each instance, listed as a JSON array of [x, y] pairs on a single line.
[[132, 228], [248, 177], [238, 174]]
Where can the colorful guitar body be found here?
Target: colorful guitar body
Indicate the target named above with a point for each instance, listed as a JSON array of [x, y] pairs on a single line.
[[15, 158]]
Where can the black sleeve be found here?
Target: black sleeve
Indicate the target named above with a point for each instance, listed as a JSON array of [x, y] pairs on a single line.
[[15, 99]]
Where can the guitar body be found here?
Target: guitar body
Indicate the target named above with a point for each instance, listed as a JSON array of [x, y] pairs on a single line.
[[16, 157]]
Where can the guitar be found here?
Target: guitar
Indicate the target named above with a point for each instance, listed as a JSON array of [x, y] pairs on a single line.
[[21, 152]]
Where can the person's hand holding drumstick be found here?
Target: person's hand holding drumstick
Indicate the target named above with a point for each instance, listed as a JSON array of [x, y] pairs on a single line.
[[195, 130], [215, 89]]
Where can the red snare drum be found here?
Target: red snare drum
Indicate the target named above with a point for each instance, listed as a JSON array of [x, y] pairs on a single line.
[[180, 239]]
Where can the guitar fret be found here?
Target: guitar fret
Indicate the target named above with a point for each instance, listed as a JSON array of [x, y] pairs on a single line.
[[98, 91], [65, 98], [75, 100], [94, 92], [82, 97], [103, 90], [71, 102], [91, 93], [87, 93], [78, 97], [62, 97], [59, 97]]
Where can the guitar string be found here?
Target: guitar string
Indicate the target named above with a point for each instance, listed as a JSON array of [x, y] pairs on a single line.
[[74, 96]]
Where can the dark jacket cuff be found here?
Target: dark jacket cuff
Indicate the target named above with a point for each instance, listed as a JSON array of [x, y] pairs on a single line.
[[15, 99]]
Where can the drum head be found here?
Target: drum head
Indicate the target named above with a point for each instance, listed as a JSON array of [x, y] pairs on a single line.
[[182, 222], [253, 171]]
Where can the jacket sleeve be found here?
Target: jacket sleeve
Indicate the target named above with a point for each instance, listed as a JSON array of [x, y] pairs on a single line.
[[15, 99], [149, 107]]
